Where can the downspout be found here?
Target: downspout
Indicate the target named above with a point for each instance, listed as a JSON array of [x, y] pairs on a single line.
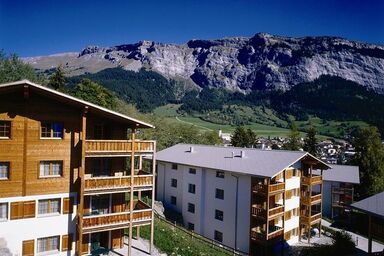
[[237, 201]]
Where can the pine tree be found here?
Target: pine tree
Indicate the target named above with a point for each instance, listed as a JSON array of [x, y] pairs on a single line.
[[370, 159], [311, 141], [57, 80], [293, 138], [243, 137]]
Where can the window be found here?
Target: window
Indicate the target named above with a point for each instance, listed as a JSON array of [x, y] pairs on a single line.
[[49, 206], [47, 244], [5, 129], [191, 208], [51, 168], [52, 130], [3, 211], [219, 194], [220, 174], [295, 192], [173, 200], [174, 183], [192, 170], [218, 236], [219, 215], [191, 226], [174, 166], [192, 188], [4, 170]]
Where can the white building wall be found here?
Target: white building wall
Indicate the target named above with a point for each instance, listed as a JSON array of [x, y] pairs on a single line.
[[292, 203], [206, 202], [14, 232]]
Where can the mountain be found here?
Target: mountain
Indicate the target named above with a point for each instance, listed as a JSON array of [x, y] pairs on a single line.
[[242, 64]]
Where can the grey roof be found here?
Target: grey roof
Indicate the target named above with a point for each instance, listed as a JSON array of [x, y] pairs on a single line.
[[341, 173], [265, 163], [372, 205]]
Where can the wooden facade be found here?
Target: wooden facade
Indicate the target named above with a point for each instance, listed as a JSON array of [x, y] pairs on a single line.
[[94, 153]]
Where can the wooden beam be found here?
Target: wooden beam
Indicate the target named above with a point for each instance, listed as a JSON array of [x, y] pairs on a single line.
[[369, 234], [153, 199], [131, 192], [80, 209]]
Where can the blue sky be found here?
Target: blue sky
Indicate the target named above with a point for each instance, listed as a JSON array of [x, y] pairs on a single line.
[[31, 28]]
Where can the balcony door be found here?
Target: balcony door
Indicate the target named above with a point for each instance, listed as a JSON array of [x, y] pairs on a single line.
[[100, 204], [102, 167]]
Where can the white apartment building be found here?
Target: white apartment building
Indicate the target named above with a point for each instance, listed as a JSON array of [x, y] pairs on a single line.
[[247, 199]]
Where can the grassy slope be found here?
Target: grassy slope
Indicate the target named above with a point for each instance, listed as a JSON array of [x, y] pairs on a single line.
[[325, 128]]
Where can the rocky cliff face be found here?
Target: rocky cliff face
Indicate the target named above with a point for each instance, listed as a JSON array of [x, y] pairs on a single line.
[[260, 62]]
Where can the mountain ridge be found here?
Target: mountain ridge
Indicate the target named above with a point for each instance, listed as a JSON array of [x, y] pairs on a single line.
[[241, 64]]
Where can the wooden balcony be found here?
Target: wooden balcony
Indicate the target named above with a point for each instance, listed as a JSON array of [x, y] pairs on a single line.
[[316, 179], [259, 235], [271, 189], [102, 148], [95, 223], [276, 211], [259, 212], [116, 183], [311, 200], [310, 220]]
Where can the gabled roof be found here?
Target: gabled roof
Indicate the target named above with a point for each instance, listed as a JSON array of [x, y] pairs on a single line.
[[372, 205], [341, 173], [257, 162], [75, 101]]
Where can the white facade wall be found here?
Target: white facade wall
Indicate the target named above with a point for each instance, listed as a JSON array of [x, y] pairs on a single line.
[[14, 232], [236, 189]]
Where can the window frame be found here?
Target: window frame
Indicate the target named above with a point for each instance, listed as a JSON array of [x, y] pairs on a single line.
[[219, 215], [173, 203], [191, 188], [191, 226], [218, 236], [8, 164], [3, 128], [220, 174], [6, 212], [192, 171], [191, 208], [47, 245], [216, 193], [173, 183], [51, 130], [174, 166], [49, 207], [51, 165]]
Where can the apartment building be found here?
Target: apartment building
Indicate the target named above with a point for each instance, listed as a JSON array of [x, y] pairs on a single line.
[[72, 178], [248, 199], [338, 190]]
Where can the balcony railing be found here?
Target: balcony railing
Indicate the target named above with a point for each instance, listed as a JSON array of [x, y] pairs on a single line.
[[116, 182], [257, 211], [313, 199], [308, 180], [315, 217], [261, 235], [272, 188], [342, 190], [141, 212], [117, 147], [276, 210]]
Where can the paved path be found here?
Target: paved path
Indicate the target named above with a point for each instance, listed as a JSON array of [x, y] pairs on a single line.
[[140, 247], [360, 241]]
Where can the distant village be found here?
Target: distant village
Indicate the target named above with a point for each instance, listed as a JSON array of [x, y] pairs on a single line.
[[330, 151]]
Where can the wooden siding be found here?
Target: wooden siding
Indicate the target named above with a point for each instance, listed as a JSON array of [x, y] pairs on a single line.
[[28, 248]]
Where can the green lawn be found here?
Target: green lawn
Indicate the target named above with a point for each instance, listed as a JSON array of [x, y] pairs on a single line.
[[174, 241]]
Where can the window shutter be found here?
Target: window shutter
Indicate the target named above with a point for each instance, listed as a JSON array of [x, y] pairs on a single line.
[[16, 210], [29, 209], [66, 242], [28, 248], [68, 205]]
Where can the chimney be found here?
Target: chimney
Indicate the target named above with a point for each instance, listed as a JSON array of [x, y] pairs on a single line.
[[242, 154], [191, 149], [233, 154]]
